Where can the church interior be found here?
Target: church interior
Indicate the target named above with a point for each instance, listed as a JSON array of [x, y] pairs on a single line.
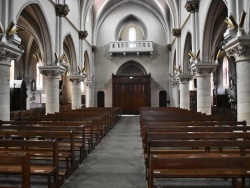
[[106, 80]]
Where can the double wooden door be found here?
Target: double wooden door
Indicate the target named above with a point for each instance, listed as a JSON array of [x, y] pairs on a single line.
[[131, 92]]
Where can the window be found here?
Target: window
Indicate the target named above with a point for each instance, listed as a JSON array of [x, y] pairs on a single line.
[[132, 36], [39, 78], [225, 73]]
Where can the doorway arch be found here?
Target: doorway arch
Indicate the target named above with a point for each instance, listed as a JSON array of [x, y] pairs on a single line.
[[131, 88]]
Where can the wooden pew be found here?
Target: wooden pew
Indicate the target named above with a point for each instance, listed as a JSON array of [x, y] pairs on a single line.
[[199, 166], [66, 147], [13, 163], [222, 126], [160, 148], [79, 133], [38, 149]]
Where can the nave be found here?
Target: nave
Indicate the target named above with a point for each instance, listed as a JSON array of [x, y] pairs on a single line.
[[117, 162]]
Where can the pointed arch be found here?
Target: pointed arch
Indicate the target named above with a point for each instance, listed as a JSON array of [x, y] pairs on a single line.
[[69, 50], [187, 47], [131, 68], [131, 19], [33, 24], [214, 27]]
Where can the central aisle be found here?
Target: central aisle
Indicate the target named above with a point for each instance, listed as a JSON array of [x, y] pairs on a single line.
[[117, 162]]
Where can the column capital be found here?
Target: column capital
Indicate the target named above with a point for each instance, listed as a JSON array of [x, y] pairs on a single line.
[[174, 82], [10, 49], [236, 46], [192, 5], [176, 32], [82, 34], [77, 78], [62, 10], [185, 78], [52, 71], [169, 47], [203, 69], [89, 83]]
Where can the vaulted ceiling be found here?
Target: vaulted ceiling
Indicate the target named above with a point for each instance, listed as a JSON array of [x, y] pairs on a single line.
[[165, 10]]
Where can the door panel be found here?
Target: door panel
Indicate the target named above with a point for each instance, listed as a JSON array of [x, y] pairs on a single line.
[[131, 92]]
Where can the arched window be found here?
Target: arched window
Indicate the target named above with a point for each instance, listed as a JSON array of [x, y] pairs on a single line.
[[225, 73], [132, 36], [39, 78]]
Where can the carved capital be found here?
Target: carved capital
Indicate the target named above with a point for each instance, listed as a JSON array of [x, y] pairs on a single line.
[[52, 71], [238, 47], [192, 6], [169, 47], [203, 69], [94, 49], [76, 78], [174, 82], [83, 34], [62, 10], [185, 78], [8, 52], [176, 32], [89, 83]]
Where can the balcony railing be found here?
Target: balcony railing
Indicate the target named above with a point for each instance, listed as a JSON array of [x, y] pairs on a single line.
[[137, 47]]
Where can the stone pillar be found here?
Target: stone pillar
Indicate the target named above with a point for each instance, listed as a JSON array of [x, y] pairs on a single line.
[[10, 49], [203, 73], [184, 90], [52, 76], [174, 101], [76, 90], [89, 102], [237, 44]]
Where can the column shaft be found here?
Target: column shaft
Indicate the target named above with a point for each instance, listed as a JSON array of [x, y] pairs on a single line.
[[76, 94], [52, 94], [243, 91], [184, 95], [194, 32], [5, 92], [204, 94]]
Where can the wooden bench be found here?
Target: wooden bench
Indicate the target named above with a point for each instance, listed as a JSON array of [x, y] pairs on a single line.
[[12, 163], [202, 142], [66, 145], [79, 133], [199, 166], [36, 149]]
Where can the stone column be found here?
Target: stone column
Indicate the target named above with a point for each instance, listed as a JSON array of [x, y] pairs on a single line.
[[89, 102], [237, 44], [203, 73], [10, 49], [174, 101], [184, 90], [52, 76], [76, 90]]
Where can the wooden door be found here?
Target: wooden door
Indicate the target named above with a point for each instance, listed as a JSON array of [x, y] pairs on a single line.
[[131, 92]]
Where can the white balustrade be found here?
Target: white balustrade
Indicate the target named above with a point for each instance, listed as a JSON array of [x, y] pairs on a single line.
[[137, 47]]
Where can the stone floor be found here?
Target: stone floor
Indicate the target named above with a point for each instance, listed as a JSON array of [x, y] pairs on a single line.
[[117, 162]]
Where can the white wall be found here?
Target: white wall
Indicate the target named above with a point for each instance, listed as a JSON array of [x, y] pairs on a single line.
[[105, 66]]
